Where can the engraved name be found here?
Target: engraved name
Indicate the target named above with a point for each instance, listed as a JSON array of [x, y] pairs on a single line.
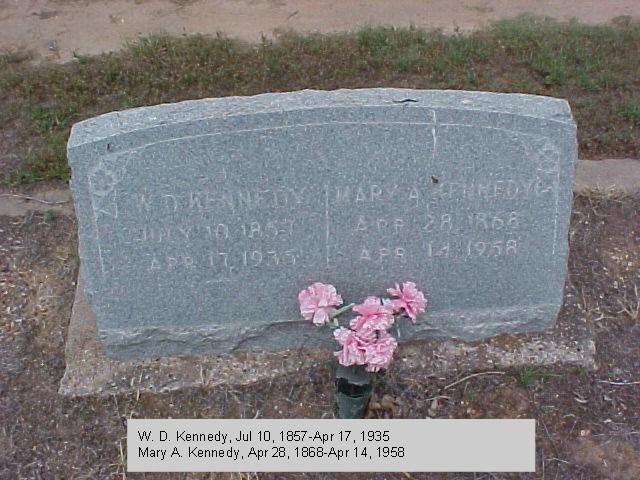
[[428, 192], [206, 201]]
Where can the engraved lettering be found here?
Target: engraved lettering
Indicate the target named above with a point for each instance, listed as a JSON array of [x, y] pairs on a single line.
[[155, 265], [272, 258], [445, 222], [173, 204], [222, 231], [194, 200], [162, 233], [244, 199], [280, 198], [414, 195], [186, 231], [392, 191], [288, 258], [512, 189], [513, 220], [254, 230], [342, 196], [144, 201], [261, 197], [481, 220], [376, 192]]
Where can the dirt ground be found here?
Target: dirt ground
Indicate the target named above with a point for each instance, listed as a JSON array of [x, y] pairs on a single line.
[[588, 423], [56, 29]]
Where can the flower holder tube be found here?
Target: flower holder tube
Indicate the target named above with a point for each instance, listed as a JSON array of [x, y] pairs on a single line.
[[353, 391]]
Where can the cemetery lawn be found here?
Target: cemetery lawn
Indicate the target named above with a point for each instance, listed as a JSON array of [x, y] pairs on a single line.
[[594, 67], [587, 421]]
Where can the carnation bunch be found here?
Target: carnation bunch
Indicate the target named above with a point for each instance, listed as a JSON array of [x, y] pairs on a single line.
[[366, 341]]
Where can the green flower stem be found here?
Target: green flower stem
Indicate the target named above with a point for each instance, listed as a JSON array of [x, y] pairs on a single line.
[[342, 310]]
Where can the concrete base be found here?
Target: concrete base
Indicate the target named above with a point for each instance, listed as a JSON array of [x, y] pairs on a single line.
[[90, 372], [616, 174]]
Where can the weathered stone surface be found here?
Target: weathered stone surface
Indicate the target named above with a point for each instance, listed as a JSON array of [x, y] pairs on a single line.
[[199, 222], [90, 372]]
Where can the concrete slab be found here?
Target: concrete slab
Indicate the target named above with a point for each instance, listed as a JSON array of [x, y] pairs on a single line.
[[619, 174], [50, 199]]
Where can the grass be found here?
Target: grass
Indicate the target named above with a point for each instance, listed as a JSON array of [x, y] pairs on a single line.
[[594, 67], [529, 376], [630, 111]]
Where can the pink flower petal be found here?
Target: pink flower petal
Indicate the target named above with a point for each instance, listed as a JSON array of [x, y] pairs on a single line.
[[409, 299], [317, 300]]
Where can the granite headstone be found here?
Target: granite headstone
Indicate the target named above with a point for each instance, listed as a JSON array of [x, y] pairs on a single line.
[[199, 222]]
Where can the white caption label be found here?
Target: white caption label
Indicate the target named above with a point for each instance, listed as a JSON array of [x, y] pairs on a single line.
[[309, 445]]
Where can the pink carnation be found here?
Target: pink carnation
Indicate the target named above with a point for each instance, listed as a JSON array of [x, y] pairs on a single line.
[[374, 315], [374, 351], [317, 302], [372, 306], [353, 347], [378, 354], [409, 299]]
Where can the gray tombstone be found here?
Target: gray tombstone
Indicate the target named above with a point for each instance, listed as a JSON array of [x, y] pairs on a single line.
[[199, 222]]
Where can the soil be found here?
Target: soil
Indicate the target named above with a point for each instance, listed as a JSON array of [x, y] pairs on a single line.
[[588, 425], [58, 29]]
